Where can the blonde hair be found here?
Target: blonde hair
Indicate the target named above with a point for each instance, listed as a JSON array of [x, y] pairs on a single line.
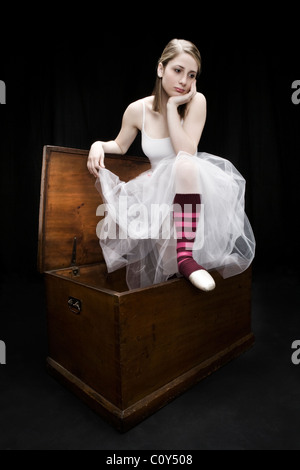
[[173, 49]]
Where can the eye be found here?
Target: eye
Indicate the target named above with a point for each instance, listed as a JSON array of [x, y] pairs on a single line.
[[192, 75], [177, 70]]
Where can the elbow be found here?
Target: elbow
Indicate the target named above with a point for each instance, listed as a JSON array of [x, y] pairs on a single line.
[[187, 145], [194, 150], [189, 149], [122, 151], [193, 147]]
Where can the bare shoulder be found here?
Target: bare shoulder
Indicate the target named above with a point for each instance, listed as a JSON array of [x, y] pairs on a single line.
[[134, 111]]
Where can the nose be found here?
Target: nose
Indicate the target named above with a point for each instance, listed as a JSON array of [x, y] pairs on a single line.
[[183, 80]]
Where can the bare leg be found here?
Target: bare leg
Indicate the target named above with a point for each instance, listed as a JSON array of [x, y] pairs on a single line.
[[187, 205], [186, 177]]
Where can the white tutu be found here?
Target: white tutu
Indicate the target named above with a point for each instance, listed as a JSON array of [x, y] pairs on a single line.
[[138, 230]]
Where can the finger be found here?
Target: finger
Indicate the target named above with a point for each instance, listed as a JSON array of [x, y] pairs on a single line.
[[92, 170], [101, 162], [193, 88]]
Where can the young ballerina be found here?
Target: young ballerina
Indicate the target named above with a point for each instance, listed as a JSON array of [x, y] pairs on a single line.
[[199, 197]]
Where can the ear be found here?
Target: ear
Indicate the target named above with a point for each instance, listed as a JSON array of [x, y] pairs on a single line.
[[160, 70]]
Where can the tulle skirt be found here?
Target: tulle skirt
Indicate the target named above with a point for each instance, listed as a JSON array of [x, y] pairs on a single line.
[[138, 230]]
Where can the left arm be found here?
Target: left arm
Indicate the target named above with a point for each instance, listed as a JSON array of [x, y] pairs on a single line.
[[187, 136]]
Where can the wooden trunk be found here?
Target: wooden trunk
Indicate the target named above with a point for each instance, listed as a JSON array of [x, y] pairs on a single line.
[[125, 353]]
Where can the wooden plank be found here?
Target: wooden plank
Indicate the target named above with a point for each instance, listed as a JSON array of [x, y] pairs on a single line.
[[169, 328]]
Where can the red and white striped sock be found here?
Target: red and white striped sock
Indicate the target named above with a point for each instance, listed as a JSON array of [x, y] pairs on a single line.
[[186, 217]]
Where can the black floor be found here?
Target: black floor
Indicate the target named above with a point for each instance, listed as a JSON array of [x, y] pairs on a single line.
[[251, 403]]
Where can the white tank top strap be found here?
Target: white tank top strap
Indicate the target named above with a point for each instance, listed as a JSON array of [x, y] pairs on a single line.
[[144, 113]]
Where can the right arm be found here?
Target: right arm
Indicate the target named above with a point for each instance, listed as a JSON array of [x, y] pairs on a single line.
[[131, 123]]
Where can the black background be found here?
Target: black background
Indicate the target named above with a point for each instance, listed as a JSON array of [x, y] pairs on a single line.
[[70, 87]]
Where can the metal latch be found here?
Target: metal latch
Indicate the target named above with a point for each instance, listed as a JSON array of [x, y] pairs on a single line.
[[74, 305]]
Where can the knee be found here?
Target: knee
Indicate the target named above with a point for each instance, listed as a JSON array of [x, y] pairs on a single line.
[[185, 169]]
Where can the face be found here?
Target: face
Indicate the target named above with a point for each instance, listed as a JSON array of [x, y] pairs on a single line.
[[178, 75]]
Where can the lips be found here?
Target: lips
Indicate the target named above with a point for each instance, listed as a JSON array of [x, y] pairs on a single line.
[[179, 90]]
